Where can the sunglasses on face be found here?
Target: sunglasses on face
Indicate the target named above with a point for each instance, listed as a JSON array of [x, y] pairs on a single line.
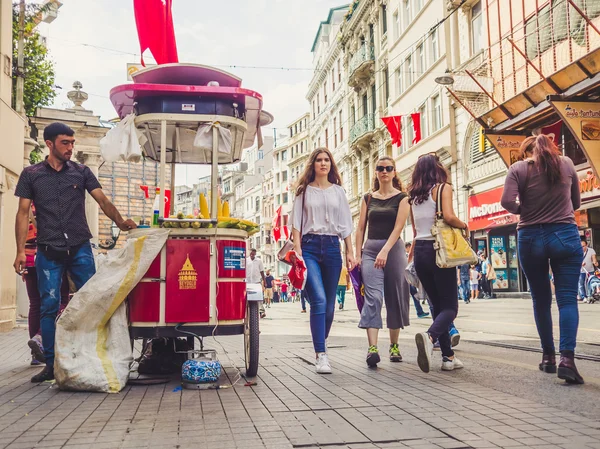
[[382, 168]]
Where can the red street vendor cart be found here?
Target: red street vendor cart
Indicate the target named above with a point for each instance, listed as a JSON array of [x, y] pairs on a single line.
[[196, 286]]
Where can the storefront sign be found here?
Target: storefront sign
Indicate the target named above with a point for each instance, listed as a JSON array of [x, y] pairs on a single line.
[[583, 119], [485, 211], [589, 185], [507, 146]]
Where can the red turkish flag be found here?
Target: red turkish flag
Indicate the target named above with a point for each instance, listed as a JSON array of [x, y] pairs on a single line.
[[416, 121], [554, 131], [393, 125], [276, 225], [154, 22]]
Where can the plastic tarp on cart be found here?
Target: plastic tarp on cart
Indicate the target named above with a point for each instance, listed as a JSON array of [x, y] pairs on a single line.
[[93, 349]]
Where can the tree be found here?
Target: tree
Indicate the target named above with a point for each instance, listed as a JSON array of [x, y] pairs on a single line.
[[38, 67]]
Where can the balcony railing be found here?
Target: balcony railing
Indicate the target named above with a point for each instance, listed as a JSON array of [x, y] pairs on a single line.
[[486, 168], [365, 125], [365, 54]]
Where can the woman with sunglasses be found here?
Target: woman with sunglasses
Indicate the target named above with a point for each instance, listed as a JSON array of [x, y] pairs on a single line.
[[383, 259], [322, 213], [428, 176]]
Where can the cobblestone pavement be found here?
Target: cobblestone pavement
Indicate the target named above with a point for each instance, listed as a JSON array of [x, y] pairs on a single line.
[[395, 406]]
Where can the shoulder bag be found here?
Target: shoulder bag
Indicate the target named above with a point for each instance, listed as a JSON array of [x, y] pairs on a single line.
[[289, 243], [451, 246]]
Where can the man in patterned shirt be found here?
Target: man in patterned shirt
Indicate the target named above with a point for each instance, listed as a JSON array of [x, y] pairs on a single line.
[[57, 188]]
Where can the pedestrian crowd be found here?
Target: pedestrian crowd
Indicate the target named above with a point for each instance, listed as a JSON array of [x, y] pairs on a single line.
[[53, 239]]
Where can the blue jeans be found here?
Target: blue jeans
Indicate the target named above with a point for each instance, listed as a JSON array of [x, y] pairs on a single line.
[[303, 299], [582, 289], [81, 268], [466, 289], [418, 308], [323, 260], [561, 245]]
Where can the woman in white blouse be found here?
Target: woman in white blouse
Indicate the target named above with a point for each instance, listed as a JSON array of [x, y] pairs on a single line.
[[320, 218]]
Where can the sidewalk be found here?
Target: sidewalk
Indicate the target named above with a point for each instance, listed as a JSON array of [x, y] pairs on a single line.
[[395, 406]]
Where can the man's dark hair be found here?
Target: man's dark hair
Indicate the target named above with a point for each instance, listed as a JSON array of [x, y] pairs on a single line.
[[53, 130], [583, 239]]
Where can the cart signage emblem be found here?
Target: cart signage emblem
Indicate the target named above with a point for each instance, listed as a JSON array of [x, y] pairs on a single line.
[[187, 276], [189, 107]]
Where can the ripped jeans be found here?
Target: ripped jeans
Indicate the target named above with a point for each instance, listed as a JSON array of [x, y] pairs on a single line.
[[81, 268]]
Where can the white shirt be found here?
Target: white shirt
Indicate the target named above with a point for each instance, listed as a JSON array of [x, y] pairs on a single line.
[[253, 269], [424, 216], [326, 212], [588, 264]]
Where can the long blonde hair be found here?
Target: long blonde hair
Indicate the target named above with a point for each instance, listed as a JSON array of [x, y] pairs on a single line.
[[395, 180], [308, 175]]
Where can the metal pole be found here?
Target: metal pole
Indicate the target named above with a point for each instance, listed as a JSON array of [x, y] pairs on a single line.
[[214, 175], [163, 164], [19, 105]]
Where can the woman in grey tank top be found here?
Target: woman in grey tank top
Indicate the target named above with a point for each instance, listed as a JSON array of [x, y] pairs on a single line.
[[428, 176]]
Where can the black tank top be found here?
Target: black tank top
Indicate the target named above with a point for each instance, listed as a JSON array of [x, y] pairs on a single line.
[[381, 216]]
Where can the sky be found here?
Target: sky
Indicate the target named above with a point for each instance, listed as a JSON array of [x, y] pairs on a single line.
[[93, 40]]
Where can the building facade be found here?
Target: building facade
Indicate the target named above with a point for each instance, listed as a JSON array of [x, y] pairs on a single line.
[[513, 88]]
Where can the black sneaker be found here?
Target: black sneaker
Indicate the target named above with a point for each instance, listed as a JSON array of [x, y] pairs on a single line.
[[373, 357], [46, 374]]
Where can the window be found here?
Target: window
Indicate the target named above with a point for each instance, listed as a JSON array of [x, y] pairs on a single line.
[[384, 19], [424, 120], [476, 29], [373, 99], [261, 154], [421, 60], [396, 26], [285, 197], [291, 132], [318, 105], [296, 128], [301, 147], [335, 133], [341, 128], [386, 87], [408, 66], [284, 155], [327, 138], [324, 94], [333, 80], [436, 121], [277, 178], [398, 77], [257, 204], [319, 141], [353, 115], [366, 173], [435, 49], [406, 15], [365, 105], [314, 109], [355, 182], [339, 64], [284, 176]]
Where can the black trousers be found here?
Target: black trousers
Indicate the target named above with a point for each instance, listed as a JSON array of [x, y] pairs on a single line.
[[440, 286]]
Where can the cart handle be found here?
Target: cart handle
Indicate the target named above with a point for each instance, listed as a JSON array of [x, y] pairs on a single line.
[[186, 220]]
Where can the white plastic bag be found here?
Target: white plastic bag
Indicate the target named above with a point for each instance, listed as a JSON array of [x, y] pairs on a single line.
[[122, 143], [204, 138], [93, 349]]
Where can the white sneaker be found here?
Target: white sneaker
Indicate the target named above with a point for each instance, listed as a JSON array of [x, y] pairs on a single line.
[[322, 365], [425, 351], [451, 365]]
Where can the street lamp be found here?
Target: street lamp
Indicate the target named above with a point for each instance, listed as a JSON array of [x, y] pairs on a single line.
[[445, 80]]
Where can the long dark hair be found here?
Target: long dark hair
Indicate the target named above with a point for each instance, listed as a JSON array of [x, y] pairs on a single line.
[[547, 156], [308, 175], [395, 180], [428, 172]]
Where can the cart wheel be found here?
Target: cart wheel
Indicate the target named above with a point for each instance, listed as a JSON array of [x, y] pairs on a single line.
[[251, 338]]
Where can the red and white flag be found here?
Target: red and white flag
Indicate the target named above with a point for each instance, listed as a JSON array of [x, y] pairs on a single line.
[[277, 225], [154, 22], [416, 122], [394, 128]]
